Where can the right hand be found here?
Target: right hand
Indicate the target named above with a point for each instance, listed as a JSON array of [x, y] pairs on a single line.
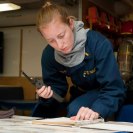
[[45, 92]]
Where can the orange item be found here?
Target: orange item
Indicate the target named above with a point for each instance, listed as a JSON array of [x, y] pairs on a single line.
[[93, 18], [93, 15]]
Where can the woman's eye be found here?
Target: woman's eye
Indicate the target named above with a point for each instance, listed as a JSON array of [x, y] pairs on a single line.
[[51, 41]]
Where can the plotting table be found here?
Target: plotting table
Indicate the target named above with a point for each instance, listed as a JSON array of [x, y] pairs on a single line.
[[23, 124]]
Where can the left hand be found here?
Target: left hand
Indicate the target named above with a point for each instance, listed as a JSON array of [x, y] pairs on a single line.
[[85, 113]]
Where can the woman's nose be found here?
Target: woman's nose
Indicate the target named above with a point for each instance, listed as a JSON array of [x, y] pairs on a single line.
[[60, 44]]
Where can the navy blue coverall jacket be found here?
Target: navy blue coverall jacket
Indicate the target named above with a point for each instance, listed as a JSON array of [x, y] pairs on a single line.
[[97, 74]]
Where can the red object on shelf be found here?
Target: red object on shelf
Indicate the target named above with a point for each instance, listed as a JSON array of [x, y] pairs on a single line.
[[93, 17], [127, 27]]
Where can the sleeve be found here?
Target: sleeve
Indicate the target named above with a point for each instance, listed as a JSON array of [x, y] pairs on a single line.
[[50, 72], [112, 90]]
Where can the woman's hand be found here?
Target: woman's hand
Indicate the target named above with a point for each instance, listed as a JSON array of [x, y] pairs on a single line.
[[44, 92], [85, 113]]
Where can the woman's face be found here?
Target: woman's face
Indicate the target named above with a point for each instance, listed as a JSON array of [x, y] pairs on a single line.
[[59, 35]]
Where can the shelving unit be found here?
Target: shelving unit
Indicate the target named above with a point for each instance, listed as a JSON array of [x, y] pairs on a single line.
[[100, 19]]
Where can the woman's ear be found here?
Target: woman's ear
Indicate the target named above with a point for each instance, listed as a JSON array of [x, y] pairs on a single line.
[[71, 23]]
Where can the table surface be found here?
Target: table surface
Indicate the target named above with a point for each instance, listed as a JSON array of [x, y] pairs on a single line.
[[23, 124]]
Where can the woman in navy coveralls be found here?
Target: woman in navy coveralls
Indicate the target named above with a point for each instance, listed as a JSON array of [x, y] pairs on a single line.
[[84, 55]]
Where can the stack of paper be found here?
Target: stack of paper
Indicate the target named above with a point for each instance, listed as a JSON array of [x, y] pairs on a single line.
[[90, 124], [64, 121]]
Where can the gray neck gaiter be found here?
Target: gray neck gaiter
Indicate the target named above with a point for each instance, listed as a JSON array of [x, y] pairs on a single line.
[[76, 56]]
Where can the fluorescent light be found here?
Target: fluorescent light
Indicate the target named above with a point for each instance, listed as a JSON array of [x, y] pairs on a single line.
[[8, 7]]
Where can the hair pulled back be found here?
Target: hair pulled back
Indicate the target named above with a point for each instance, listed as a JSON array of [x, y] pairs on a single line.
[[49, 11]]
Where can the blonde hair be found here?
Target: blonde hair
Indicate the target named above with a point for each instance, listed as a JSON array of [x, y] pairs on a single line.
[[49, 11]]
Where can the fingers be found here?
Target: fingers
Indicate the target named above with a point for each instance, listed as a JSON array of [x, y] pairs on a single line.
[[94, 115], [85, 113], [45, 92]]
